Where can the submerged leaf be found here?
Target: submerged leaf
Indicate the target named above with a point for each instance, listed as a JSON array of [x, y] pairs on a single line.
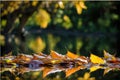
[[96, 59]]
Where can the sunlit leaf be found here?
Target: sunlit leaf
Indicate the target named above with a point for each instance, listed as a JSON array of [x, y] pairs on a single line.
[[71, 55], [42, 18], [61, 4], [73, 70], [78, 8], [82, 4], [96, 59], [54, 54], [34, 2], [108, 56]]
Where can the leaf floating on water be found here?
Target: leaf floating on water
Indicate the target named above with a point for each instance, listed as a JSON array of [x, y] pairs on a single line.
[[54, 54], [108, 56], [71, 55], [96, 59], [55, 62], [73, 70]]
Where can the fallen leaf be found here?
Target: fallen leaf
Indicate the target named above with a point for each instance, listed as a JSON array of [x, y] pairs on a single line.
[[73, 70], [55, 55], [96, 59], [71, 55], [108, 56]]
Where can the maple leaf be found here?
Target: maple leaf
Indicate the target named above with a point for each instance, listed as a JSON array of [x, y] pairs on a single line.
[[71, 55], [96, 60]]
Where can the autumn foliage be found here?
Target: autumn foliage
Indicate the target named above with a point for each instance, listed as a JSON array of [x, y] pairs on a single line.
[[55, 62]]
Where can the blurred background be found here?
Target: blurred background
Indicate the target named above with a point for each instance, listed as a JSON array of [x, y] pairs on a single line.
[[82, 27]]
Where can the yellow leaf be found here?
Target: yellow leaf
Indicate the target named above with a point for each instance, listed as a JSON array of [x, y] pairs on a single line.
[[107, 55], [34, 3], [94, 68], [71, 55], [61, 4], [78, 8], [82, 4], [73, 70], [96, 59], [86, 76], [42, 18]]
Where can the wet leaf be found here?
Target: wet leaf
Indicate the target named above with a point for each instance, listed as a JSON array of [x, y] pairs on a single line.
[[73, 70], [47, 71], [108, 56], [55, 55], [94, 68], [96, 59], [71, 55]]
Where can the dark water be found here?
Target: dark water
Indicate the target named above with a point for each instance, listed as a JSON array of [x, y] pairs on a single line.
[[61, 42]]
